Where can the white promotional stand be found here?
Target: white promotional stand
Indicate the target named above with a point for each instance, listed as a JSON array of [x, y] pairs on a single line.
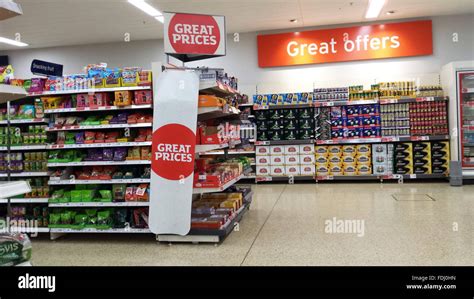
[[171, 199]]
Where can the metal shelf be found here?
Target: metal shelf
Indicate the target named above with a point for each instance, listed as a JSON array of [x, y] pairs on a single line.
[[30, 230], [205, 113], [215, 88], [284, 142], [382, 140], [25, 200], [229, 153], [94, 230], [282, 178], [98, 204], [24, 147], [25, 121], [217, 189], [25, 174], [97, 182], [94, 127], [208, 235], [105, 108], [272, 107], [90, 90], [345, 103], [97, 163], [95, 145], [412, 100]]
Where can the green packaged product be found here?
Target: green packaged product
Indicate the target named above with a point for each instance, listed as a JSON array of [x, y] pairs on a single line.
[[104, 220], [56, 195], [66, 218], [14, 249], [81, 220], [76, 195], [106, 195], [54, 219]]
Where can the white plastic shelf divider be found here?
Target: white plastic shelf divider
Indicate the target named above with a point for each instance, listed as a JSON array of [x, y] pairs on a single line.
[[93, 230], [105, 108], [95, 145], [90, 90], [99, 204], [25, 200], [218, 189], [24, 147], [25, 174], [97, 163], [8, 189], [25, 121], [11, 93], [94, 127], [97, 182]]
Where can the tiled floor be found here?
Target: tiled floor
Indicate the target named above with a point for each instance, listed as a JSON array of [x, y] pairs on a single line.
[[286, 226]]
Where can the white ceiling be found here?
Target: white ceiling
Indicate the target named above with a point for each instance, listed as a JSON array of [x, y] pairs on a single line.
[[49, 23]]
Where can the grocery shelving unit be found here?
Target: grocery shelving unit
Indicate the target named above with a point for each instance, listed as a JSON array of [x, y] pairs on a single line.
[[11, 188], [354, 141], [64, 182]]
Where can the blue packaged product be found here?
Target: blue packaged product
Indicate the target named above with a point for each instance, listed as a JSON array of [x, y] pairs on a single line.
[[291, 99], [338, 122], [260, 99], [370, 109], [305, 97], [338, 133], [338, 112], [354, 133], [275, 99], [371, 132], [352, 110], [354, 121], [371, 120]]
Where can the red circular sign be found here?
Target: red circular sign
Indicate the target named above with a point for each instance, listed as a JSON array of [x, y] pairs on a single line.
[[194, 34], [173, 149]]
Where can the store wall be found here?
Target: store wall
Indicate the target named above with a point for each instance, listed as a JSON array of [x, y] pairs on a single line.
[[241, 60]]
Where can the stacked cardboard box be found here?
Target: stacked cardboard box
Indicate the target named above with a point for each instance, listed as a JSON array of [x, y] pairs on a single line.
[[285, 160]]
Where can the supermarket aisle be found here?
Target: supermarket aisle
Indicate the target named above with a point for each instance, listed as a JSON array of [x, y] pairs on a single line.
[[286, 226]]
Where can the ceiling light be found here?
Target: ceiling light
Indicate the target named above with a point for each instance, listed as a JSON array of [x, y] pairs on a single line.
[[141, 4], [294, 20], [160, 18], [374, 9], [12, 42], [390, 12]]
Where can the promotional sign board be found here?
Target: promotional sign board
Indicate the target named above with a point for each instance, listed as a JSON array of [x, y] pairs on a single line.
[[175, 105], [345, 44], [39, 67], [190, 37]]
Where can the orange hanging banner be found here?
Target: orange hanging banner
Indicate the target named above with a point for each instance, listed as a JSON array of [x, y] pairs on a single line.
[[346, 44]]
